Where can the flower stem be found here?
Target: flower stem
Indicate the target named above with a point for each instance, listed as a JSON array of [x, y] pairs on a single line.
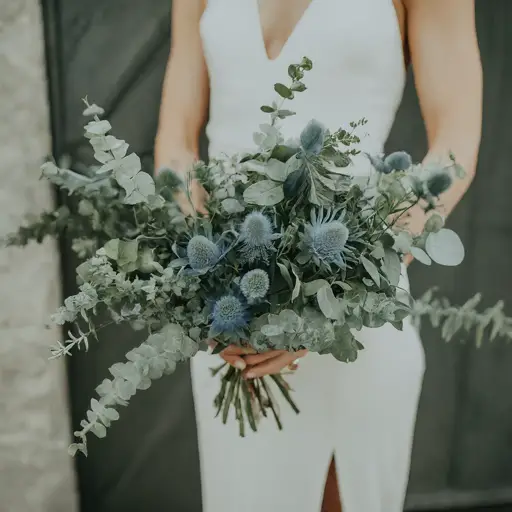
[[257, 392], [231, 395], [283, 387], [248, 405], [238, 408], [271, 403]]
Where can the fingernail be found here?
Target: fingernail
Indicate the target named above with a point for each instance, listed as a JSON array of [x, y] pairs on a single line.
[[240, 365], [250, 375]]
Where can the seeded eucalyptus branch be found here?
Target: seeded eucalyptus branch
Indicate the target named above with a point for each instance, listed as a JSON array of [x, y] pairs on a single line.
[[452, 319], [295, 253]]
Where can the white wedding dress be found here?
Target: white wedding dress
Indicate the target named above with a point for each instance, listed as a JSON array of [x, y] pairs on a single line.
[[364, 412]]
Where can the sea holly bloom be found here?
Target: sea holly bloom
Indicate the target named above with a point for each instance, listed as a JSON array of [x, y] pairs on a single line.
[[254, 285], [438, 181], [256, 237], [202, 253], [229, 316], [397, 161], [312, 137], [326, 237]]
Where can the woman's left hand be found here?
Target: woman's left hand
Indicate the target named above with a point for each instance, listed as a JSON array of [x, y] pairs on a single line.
[[408, 258], [269, 363]]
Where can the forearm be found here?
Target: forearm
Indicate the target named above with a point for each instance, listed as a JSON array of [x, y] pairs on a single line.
[[448, 75], [176, 142], [463, 143], [185, 91]]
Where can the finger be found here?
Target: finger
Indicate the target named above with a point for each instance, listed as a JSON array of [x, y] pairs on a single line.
[[236, 350], [273, 365], [199, 198], [184, 204], [234, 360], [269, 367], [260, 358]]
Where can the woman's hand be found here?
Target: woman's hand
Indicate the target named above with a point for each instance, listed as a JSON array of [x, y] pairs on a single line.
[[269, 363], [257, 365], [196, 202]]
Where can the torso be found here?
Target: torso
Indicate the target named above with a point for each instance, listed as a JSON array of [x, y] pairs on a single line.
[[358, 65]]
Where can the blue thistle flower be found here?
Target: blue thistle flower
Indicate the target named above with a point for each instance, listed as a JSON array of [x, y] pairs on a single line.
[[326, 237], [229, 315], [256, 236], [438, 181], [202, 253], [312, 137], [399, 161], [254, 285]]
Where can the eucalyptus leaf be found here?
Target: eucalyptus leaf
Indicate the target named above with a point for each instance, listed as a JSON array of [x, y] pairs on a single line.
[[264, 193], [286, 274], [275, 170], [391, 266], [345, 347], [296, 288], [290, 321], [372, 269], [111, 249], [283, 153], [445, 247], [296, 183], [283, 91], [329, 305], [232, 205], [127, 251], [98, 127], [312, 287], [272, 330], [421, 256]]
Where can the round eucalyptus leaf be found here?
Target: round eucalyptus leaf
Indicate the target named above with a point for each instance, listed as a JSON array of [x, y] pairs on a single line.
[[445, 247], [232, 205], [421, 256], [272, 330], [328, 303], [283, 91], [264, 193], [275, 170]]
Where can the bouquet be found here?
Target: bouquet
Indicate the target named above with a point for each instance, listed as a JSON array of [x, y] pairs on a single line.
[[294, 254]]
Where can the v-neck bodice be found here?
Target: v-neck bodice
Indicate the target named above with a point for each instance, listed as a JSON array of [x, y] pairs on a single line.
[[358, 69]]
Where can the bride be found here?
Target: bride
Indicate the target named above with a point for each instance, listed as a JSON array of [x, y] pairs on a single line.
[[356, 419]]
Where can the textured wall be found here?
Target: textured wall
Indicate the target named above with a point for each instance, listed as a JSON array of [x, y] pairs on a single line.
[[36, 474]]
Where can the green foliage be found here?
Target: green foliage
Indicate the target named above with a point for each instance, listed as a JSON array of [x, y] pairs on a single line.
[[294, 254], [452, 319]]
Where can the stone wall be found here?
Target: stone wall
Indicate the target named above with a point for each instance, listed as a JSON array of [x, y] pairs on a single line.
[[36, 474]]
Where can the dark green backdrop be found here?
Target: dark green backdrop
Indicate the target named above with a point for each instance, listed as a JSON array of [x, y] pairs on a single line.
[[115, 52]]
